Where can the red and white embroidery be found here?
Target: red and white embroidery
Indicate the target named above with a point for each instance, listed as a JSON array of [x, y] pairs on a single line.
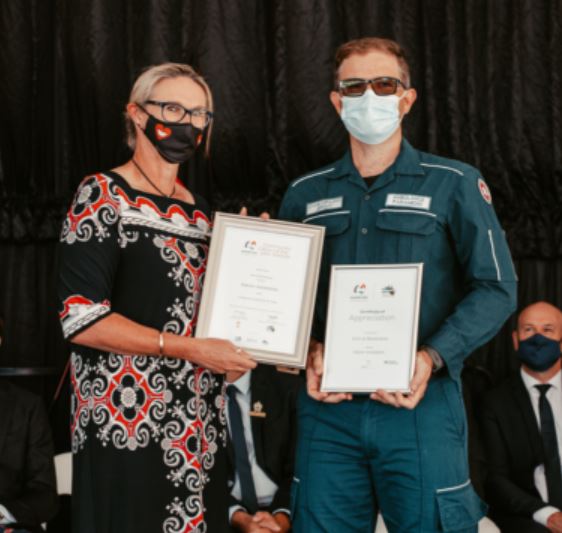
[[125, 395], [130, 400], [145, 213], [100, 203], [187, 516], [95, 207], [80, 406], [189, 262], [79, 311], [190, 443]]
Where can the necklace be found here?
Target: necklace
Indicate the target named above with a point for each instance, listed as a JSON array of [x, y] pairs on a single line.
[[152, 183]]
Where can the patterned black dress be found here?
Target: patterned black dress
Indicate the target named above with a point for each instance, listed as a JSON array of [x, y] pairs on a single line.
[[148, 433]]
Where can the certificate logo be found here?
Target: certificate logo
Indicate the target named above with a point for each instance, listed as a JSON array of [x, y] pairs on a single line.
[[388, 291], [359, 291], [250, 247]]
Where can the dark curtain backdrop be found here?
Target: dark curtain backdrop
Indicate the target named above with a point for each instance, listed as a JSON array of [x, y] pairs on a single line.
[[488, 75]]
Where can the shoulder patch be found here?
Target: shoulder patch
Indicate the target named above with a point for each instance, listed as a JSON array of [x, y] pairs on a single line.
[[484, 191]]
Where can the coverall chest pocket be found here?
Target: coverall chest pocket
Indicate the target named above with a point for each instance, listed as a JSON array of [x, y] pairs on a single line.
[[404, 235], [336, 242]]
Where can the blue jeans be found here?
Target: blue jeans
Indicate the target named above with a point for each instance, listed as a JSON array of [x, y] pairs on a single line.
[[360, 457]]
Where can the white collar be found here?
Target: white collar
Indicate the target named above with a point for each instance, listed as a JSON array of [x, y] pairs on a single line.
[[243, 382], [530, 382]]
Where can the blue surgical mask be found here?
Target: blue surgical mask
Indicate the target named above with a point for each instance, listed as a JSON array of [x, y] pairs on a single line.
[[371, 118], [538, 352]]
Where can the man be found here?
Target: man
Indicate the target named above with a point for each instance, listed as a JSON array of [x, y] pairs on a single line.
[[522, 424], [385, 202], [261, 416], [28, 493]]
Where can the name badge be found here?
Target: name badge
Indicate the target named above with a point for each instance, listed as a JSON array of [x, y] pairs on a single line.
[[324, 205], [408, 200]]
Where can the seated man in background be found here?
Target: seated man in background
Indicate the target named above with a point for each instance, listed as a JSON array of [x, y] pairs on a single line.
[[261, 416], [522, 428], [28, 494]]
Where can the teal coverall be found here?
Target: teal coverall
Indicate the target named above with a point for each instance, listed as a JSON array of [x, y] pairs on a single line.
[[361, 456]]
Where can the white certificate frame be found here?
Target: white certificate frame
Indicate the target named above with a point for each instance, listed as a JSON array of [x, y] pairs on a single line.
[[221, 311], [372, 300]]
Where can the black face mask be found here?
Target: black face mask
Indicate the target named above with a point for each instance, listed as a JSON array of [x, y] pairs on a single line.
[[175, 142]]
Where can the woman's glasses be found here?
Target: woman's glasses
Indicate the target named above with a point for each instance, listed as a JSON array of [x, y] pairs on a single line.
[[174, 112]]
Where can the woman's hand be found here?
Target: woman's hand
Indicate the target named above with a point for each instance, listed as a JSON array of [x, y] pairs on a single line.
[[219, 356]]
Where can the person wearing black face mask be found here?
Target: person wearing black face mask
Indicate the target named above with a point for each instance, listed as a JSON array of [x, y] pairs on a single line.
[[175, 141], [522, 427], [148, 428]]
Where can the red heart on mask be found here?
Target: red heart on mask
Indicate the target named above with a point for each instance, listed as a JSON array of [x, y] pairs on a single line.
[[162, 132]]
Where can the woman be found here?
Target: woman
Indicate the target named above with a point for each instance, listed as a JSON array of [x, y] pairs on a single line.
[[147, 411]]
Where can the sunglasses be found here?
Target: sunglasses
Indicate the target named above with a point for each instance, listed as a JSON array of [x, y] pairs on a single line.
[[383, 86]]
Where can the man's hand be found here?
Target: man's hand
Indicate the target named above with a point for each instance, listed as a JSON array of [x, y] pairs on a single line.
[[418, 385], [242, 521], [314, 369], [554, 522], [268, 521], [283, 521]]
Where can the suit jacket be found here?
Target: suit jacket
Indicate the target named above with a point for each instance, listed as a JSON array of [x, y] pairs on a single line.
[[27, 472], [275, 434], [514, 449]]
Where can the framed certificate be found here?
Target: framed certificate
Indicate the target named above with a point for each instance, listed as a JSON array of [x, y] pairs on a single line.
[[260, 286], [372, 327]]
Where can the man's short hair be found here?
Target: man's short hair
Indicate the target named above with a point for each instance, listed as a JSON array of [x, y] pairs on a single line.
[[368, 44]]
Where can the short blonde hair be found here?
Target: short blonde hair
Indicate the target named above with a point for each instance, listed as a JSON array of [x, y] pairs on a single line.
[[149, 78]]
